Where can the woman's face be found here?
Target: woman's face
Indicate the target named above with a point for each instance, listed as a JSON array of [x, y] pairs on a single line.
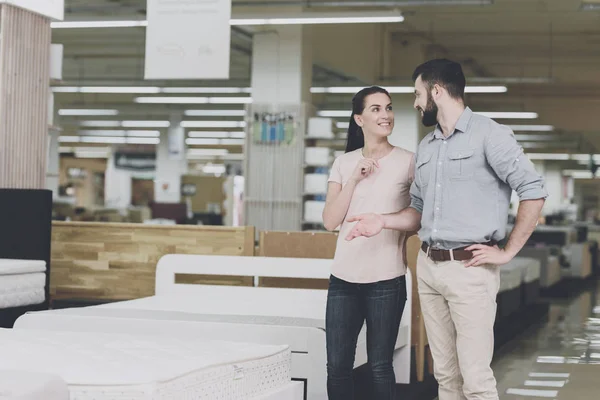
[[377, 118]]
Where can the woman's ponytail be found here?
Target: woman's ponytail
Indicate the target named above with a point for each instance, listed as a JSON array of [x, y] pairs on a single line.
[[355, 139]]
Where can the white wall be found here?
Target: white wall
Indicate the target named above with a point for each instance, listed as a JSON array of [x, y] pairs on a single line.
[[406, 123]]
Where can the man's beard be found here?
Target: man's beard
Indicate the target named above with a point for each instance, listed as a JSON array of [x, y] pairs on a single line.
[[430, 113]]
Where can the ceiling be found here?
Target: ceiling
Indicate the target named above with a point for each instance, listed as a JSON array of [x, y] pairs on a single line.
[[546, 52]]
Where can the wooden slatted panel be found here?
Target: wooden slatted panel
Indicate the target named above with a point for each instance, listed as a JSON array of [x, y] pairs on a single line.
[[24, 81], [116, 261]]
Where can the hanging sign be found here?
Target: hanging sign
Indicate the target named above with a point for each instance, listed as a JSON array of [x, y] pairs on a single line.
[[188, 39]]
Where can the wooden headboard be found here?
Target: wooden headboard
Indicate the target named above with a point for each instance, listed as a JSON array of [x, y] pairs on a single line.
[[117, 261]]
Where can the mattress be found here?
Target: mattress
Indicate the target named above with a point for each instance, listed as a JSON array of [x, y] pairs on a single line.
[[22, 289], [118, 366], [12, 267], [531, 268], [22, 282], [553, 272], [511, 276], [23, 385]]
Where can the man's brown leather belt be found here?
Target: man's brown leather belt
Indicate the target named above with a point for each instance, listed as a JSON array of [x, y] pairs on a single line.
[[459, 254]]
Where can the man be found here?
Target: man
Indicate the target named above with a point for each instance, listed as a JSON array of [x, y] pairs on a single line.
[[465, 172]]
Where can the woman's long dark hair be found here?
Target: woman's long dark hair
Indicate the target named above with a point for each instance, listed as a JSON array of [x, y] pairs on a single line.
[[356, 137]]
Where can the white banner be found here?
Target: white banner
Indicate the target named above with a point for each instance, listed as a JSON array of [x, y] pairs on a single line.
[[188, 39], [53, 9]]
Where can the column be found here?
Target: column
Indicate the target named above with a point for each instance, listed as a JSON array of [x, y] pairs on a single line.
[[171, 163], [282, 65], [117, 184], [24, 82], [53, 168], [274, 167], [554, 185]]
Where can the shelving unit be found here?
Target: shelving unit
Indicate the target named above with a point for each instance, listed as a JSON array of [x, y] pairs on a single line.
[[321, 145]]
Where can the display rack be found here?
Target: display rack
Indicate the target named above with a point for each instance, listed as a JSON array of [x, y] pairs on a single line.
[[273, 166]]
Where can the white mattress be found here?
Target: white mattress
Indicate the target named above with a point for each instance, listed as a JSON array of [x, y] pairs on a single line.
[[553, 272], [11, 267], [23, 385], [22, 289], [511, 276], [531, 268], [110, 366]]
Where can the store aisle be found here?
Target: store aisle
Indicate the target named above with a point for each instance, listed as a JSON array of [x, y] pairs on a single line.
[[558, 358]]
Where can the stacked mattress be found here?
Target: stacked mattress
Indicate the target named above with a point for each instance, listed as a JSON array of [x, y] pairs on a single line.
[[22, 282], [118, 366], [509, 295]]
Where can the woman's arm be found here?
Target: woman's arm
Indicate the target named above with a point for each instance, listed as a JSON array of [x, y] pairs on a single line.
[[337, 203]]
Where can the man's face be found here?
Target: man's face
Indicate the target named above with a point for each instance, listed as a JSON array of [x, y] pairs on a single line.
[[424, 104]]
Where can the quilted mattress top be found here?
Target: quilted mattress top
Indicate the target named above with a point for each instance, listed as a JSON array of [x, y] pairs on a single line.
[[13, 267], [83, 358]]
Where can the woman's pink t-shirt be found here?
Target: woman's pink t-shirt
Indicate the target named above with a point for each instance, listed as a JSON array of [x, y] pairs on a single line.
[[381, 257]]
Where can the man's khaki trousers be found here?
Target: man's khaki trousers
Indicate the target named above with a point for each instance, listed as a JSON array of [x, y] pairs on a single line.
[[459, 310]]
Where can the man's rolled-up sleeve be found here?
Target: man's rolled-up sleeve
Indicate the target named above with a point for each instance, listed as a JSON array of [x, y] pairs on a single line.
[[512, 166], [416, 199]]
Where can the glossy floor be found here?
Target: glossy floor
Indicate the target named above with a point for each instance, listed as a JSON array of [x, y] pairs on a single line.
[[558, 358]]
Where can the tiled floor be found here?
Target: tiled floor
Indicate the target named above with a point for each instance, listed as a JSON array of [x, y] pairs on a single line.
[[554, 359]]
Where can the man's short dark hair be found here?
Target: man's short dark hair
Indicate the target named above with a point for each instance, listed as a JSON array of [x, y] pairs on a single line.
[[445, 73]]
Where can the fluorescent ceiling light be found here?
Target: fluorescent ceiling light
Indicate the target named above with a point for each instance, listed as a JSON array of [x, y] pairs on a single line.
[[108, 140], [335, 113], [548, 156], [106, 89], [68, 139], [578, 173], [215, 113], [541, 138], [97, 24], [217, 134], [145, 124], [531, 128], [147, 89], [81, 111], [229, 90], [509, 115], [403, 89], [212, 142], [137, 133], [213, 124], [203, 142], [317, 20], [125, 124], [294, 19], [194, 100], [101, 124]]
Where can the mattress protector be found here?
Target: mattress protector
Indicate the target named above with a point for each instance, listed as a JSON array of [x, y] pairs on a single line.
[[96, 363]]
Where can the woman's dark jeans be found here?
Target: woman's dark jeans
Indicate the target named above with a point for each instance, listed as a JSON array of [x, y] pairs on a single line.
[[348, 305]]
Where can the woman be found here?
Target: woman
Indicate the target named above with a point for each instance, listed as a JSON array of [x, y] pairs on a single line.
[[367, 282]]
